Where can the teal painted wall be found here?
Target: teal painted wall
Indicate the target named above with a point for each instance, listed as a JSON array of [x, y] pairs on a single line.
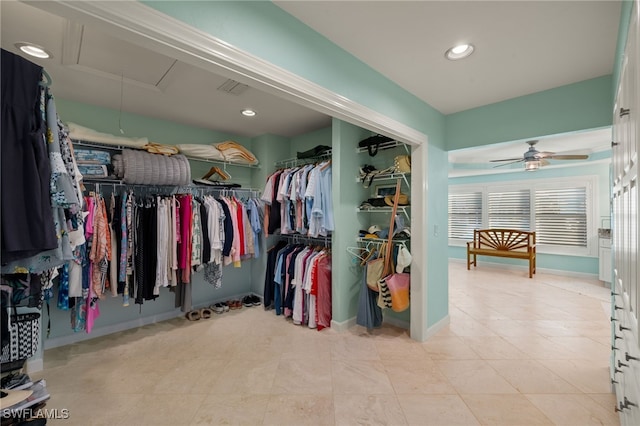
[[160, 131], [437, 240], [310, 140], [347, 195], [574, 107]]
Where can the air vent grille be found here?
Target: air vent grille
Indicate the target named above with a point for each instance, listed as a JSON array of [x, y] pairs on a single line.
[[233, 87]]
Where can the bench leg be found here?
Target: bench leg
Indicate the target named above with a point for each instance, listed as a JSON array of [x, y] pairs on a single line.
[[531, 268], [469, 261]]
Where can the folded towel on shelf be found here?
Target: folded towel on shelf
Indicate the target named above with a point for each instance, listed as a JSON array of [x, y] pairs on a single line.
[[233, 152], [81, 133], [206, 152]]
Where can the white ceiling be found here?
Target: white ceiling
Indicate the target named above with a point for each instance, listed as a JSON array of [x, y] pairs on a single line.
[[99, 68], [522, 47]]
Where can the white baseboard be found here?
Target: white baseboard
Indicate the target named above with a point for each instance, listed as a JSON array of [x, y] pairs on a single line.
[[35, 365], [525, 268], [435, 328], [110, 329], [128, 325], [343, 325], [396, 322]]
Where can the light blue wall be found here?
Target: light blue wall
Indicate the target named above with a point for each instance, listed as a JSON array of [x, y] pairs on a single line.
[[574, 107], [347, 195], [437, 223], [310, 140]]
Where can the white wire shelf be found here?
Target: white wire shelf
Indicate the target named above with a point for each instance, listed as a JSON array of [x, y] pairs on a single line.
[[386, 145], [89, 144], [401, 209]]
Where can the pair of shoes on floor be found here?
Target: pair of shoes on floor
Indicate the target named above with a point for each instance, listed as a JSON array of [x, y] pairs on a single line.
[[196, 314], [251, 300], [234, 304], [219, 308]]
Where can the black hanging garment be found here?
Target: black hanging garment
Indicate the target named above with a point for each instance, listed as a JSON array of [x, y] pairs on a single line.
[[27, 216]]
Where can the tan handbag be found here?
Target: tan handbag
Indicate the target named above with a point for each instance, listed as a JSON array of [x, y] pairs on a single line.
[[402, 164], [375, 268]]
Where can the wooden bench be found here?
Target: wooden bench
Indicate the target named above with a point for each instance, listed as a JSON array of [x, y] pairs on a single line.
[[510, 243]]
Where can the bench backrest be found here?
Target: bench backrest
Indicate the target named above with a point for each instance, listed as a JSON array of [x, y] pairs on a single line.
[[504, 239]]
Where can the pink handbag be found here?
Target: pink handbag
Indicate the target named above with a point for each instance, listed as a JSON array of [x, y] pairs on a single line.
[[399, 284]]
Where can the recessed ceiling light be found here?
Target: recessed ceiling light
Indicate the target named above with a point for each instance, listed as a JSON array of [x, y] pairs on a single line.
[[248, 112], [458, 52], [34, 50]]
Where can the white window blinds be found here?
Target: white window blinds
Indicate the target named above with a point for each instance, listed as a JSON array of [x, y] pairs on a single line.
[[465, 214], [561, 216], [510, 209]]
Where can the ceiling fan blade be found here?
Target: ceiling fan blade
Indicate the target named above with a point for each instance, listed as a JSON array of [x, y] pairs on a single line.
[[569, 157], [544, 162], [545, 154], [514, 161], [507, 159]]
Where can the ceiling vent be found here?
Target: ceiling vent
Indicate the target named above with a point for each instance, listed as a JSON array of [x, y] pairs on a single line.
[[233, 87]]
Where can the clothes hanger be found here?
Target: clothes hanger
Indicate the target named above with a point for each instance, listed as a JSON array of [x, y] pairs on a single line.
[[326, 165], [356, 252], [47, 79]]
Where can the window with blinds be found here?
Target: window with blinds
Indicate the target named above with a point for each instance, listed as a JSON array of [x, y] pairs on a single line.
[[465, 214], [561, 216], [561, 211], [510, 209]]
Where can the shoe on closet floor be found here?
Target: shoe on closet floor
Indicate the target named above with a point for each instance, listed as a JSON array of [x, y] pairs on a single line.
[[255, 300], [247, 301], [218, 308], [193, 315]]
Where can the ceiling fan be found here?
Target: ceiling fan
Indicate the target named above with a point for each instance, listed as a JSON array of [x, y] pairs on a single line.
[[534, 159]]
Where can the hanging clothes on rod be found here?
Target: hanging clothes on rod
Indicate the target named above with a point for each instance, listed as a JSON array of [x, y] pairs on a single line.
[[300, 200], [162, 238], [298, 283]]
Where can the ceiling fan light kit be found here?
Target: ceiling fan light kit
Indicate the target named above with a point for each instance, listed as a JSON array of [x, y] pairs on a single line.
[[532, 165]]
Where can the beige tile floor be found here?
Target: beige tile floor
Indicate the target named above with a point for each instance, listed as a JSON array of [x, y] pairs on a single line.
[[518, 351]]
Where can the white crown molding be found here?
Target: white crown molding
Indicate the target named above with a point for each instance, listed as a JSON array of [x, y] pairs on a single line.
[[157, 30]]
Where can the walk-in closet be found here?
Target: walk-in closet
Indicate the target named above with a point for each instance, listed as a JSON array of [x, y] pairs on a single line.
[[158, 216]]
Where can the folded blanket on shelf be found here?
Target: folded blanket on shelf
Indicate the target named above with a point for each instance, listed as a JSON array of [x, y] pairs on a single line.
[[81, 133], [233, 152], [92, 156], [93, 171]]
